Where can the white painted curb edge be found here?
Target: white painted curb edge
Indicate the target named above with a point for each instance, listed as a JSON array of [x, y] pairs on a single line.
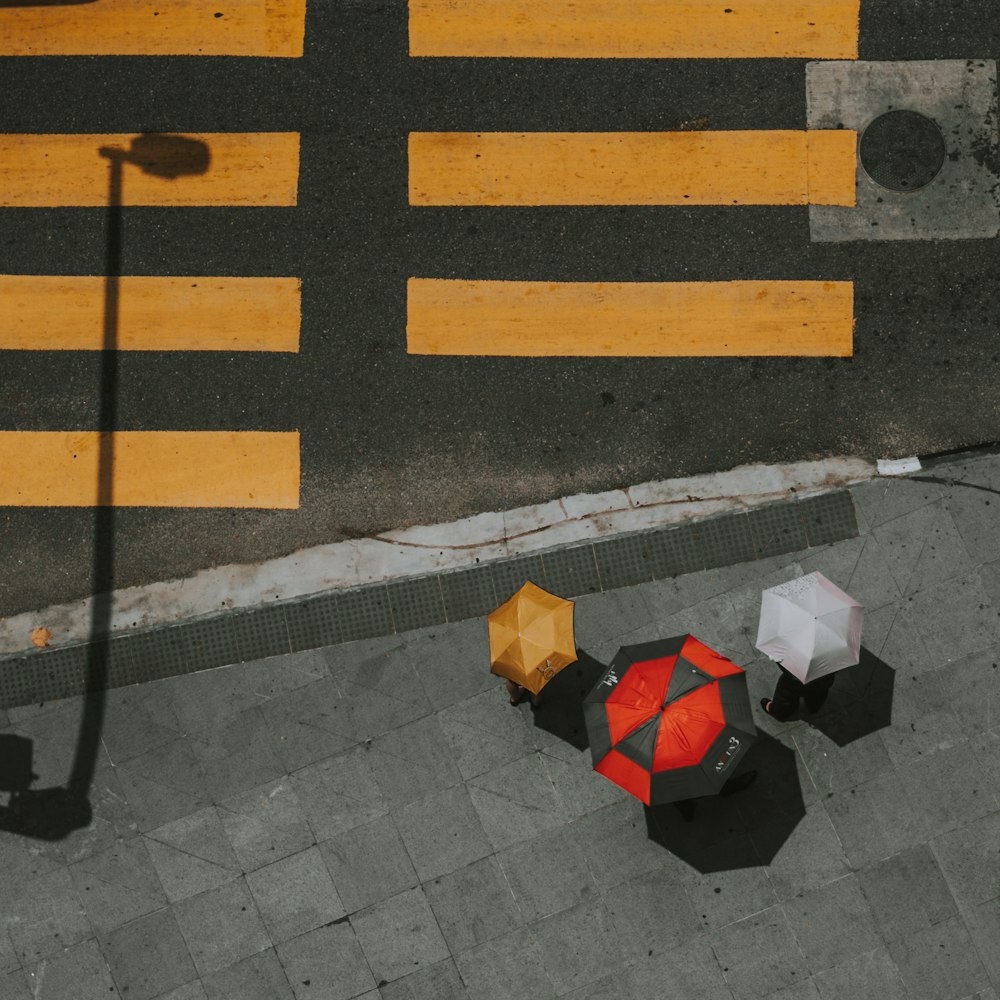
[[422, 550]]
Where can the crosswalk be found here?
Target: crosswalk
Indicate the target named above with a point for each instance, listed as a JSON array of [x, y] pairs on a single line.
[[163, 468], [500, 170], [690, 168]]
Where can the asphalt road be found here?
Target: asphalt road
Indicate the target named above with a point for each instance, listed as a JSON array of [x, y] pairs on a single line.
[[390, 439]]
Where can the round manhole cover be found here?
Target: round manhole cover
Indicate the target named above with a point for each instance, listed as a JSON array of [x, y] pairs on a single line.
[[902, 150]]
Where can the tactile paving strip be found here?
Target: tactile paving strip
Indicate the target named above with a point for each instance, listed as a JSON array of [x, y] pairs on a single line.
[[380, 609]]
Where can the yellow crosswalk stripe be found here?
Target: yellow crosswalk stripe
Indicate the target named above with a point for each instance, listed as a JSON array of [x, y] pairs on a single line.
[[164, 28], [50, 313], [243, 168], [644, 319], [636, 29], [150, 468], [633, 168]]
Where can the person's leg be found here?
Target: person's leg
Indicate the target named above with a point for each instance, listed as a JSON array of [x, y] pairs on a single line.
[[785, 699], [515, 691], [816, 692]]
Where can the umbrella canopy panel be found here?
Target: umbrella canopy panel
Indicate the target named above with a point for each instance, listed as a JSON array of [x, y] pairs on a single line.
[[810, 626], [531, 637], [669, 719]]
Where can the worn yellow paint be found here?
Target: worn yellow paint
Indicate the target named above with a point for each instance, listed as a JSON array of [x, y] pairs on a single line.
[[633, 168], [245, 168], [636, 29], [150, 468], [49, 313], [615, 319], [164, 28]]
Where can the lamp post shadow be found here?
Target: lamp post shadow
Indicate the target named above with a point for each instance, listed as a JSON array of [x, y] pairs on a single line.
[[53, 813]]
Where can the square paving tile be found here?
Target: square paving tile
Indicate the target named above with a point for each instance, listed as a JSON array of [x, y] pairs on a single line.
[[399, 935], [616, 845], [506, 968], [265, 824], [907, 893], [870, 976], [14, 986], [577, 945], [690, 970], [259, 977], [442, 833], [238, 755], [118, 884], [949, 787], [473, 904], [832, 923], [326, 964], [221, 926], [956, 618], [758, 954], [983, 923], [148, 956], [192, 854], [972, 685], [970, 860], [163, 784], [939, 963], [810, 856], [413, 761], [452, 671], [44, 915], [724, 895], [515, 802], [547, 873], [295, 895], [309, 723], [876, 819], [368, 864], [433, 982], [651, 913], [80, 973], [339, 793]]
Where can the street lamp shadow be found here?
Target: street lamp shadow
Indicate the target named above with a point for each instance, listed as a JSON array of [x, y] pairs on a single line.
[[53, 813]]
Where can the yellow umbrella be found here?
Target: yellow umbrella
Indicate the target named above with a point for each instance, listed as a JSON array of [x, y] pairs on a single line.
[[531, 637]]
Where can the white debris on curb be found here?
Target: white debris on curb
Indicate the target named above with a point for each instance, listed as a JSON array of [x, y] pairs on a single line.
[[438, 548], [898, 466]]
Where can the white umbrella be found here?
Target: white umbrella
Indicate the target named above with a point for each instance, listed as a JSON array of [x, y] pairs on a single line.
[[810, 626]]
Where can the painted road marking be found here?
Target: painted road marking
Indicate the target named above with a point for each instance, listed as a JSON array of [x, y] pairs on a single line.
[[633, 168], [151, 469], [652, 29], [644, 319], [164, 28], [245, 168], [49, 313]]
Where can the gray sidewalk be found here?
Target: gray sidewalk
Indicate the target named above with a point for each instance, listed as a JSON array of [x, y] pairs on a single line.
[[374, 820]]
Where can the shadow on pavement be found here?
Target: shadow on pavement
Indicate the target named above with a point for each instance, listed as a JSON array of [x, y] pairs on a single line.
[[53, 813], [561, 709], [743, 830], [859, 703]]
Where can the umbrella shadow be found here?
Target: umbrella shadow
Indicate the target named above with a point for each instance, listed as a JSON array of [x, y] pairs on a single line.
[[742, 830], [859, 703], [560, 711]]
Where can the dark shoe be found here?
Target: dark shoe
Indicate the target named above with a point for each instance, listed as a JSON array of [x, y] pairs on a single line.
[[763, 704], [737, 784]]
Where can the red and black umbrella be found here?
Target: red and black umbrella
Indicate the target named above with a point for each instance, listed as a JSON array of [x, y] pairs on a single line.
[[669, 720]]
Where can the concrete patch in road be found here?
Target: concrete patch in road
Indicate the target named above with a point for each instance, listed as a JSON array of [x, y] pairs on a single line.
[[960, 97]]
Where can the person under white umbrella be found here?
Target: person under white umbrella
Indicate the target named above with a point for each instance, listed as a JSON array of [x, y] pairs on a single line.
[[812, 629]]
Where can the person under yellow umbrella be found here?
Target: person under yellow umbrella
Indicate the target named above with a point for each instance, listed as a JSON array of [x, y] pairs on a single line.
[[531, 640]]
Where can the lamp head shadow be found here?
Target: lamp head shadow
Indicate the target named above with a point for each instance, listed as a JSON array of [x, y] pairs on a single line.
[[163, 155]]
